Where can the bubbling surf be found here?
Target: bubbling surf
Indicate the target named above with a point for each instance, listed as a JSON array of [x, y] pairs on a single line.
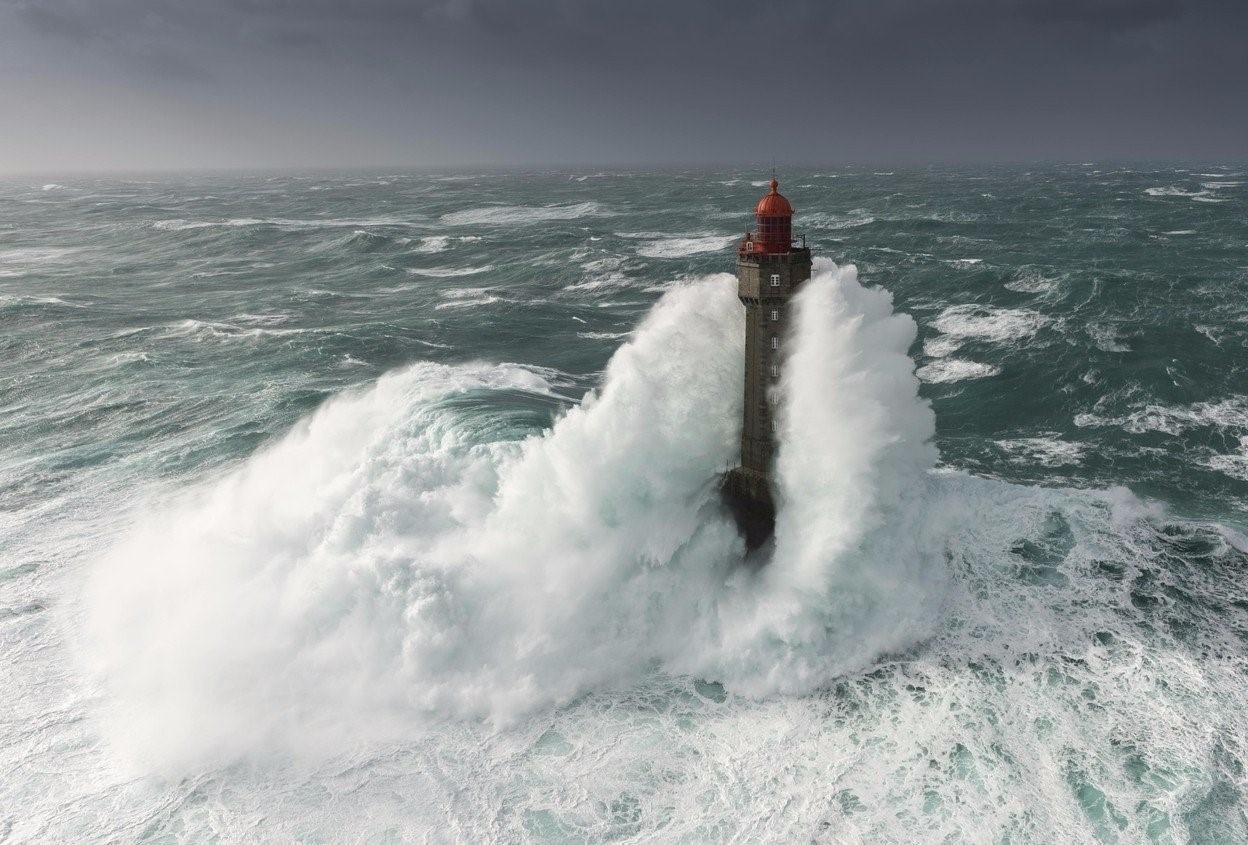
[[387, 562]]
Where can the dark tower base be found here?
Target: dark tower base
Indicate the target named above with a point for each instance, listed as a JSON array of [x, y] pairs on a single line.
[[748, 496]]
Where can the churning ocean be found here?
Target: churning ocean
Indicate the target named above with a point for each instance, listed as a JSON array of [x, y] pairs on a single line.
[[382, 508]]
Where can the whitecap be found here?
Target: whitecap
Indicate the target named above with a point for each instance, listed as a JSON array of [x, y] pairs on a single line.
[[433, 243], [1169, 191], [35, 255], [684, 246], [1031, 280], [518, 215], [468, 297], [449, 272], [603, 335], [1106, 339], [1045, 451], [1228, 415], [986, 323], [944, 370], [1203, 195], [180, 225], [820, 220], [940, 346]]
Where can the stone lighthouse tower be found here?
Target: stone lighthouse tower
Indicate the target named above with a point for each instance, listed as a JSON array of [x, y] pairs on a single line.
[[770, 269]]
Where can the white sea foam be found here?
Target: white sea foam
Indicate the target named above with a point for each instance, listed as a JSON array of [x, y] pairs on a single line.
[[988, 323], [34, 255], [941, 346], [468, 297], [822, 220], [856, 569], [378, 564], [266, 320], [1044, 451], [1228, 415], [181, 225], [441, 243], [518, 215], [607, 264], [681, 247], [602, 273], [381, 565], [1234, 464], [9, 300], [1169, 191], [434, 243], [603, 335], [960, 324], [201, 330], [1203, 195], [449, 272], [1106, 338], [944, 370]]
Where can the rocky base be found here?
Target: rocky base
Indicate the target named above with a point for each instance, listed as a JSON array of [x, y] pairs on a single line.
[[747, 493]]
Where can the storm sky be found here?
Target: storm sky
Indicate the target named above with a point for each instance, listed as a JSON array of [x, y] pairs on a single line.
[[198, 84]]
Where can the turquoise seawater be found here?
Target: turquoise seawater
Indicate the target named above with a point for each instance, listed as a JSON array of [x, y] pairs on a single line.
[[289, 552]]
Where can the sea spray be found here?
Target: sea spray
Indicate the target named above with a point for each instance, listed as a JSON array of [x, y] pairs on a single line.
[[380, 565], [856, 568]]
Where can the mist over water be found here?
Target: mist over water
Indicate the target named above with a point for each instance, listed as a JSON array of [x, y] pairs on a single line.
[[342, 509]]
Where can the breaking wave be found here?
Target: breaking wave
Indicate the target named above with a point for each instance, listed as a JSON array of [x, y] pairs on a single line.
[[516, 215], [681, 247], [395, 558]]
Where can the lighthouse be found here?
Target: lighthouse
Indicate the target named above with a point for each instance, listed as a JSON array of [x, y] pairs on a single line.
[[770, 269]]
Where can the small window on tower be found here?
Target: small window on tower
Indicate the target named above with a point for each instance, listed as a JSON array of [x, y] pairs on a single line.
[[775, 371], [775, 343], [775, 316], [775, 280]]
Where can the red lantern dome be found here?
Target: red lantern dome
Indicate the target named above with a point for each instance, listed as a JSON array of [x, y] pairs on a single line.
[[774, 204], [774, 216]]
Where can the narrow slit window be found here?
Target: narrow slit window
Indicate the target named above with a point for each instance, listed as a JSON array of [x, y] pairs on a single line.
[[775, 316], [775, 280], [775, 371], [775, 343]]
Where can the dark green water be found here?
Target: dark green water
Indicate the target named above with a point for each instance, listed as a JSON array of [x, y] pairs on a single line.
[[1081, 330]]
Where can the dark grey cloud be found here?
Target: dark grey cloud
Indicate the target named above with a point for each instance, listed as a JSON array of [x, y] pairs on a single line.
[[46, 21], [509, 81]]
